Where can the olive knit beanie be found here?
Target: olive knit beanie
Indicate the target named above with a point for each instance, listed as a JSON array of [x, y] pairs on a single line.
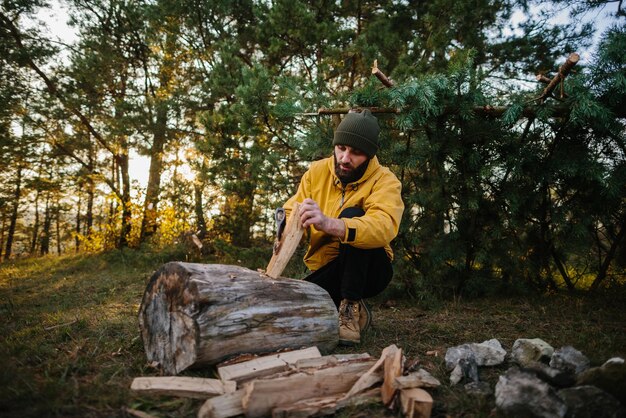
[[359, 130]]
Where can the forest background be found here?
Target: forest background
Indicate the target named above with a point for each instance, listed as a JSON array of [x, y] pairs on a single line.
[[504, 189]]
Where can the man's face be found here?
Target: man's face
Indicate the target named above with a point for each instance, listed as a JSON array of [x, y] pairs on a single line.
[[348, 160]]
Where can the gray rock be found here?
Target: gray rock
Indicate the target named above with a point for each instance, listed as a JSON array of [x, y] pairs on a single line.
[[610, 377], [590, 402], [487, 353], [569, 359], [520, 394], [481, 389], [526, 351], [454, 354], [555, 377], [466, 369]]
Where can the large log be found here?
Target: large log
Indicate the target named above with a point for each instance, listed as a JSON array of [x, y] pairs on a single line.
[[201, 314]]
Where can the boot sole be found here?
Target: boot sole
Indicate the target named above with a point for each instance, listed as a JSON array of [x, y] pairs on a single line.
[[349, 343]]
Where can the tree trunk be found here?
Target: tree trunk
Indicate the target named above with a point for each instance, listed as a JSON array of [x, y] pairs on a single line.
[[77, 226], [149, 221], [4, 221], [122, 159], [90, 194], [45, 233], [604, 267], [33, 242], [16, 203], [199, 209], [201, 314], [57, 219]]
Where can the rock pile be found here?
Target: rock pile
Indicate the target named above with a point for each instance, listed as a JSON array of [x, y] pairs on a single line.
[[542, 382]]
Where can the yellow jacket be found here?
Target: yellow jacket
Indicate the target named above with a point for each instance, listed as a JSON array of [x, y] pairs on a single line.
[[377, 193]]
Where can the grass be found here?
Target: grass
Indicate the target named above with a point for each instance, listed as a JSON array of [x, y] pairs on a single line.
[[70, 343]]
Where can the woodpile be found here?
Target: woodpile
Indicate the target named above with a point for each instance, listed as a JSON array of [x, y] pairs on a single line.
[[302, 383]]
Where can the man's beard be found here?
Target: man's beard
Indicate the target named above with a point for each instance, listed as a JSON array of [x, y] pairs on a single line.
[[353, 175]]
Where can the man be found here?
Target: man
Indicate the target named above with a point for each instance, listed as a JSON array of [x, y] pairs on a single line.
[[354, 207]]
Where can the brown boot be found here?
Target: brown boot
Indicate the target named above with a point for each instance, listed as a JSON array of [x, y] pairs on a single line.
[[349, 329]]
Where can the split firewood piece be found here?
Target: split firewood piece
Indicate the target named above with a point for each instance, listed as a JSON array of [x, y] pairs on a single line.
[[188, 387], [393, 369], [324, 406], [416, 403], [372, 376], [327, 361], [223, 406], [266, 365], [418, 379], [287, 246], [263, 395]]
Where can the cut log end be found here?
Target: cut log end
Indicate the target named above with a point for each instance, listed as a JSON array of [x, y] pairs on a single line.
[[169, 335]]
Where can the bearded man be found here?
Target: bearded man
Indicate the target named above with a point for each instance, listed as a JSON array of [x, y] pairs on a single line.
[[353, 205]]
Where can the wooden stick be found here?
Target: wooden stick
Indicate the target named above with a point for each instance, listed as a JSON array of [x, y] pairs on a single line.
[[382, 77], [564, 70], [543, 79], [287, 246], [483, 111], [187, 387], [266, 365], [344, 110], [60, 325]]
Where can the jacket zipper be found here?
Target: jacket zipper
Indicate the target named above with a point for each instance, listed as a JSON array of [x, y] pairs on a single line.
[[343, 195]]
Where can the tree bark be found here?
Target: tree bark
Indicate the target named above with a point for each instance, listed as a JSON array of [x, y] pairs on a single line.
[[4, 221], [196, 315], [153, 188], [199, 210], [44, 246], [16, 203], [122, 159], [35, 234], [77, 225]]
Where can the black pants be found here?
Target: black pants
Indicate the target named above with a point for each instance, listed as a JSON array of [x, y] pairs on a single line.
[[355, 273]]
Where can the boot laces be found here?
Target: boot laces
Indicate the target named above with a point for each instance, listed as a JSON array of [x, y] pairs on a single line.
[[348, 313]]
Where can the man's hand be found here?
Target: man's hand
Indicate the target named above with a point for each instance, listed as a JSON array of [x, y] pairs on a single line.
[[311, 215]]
